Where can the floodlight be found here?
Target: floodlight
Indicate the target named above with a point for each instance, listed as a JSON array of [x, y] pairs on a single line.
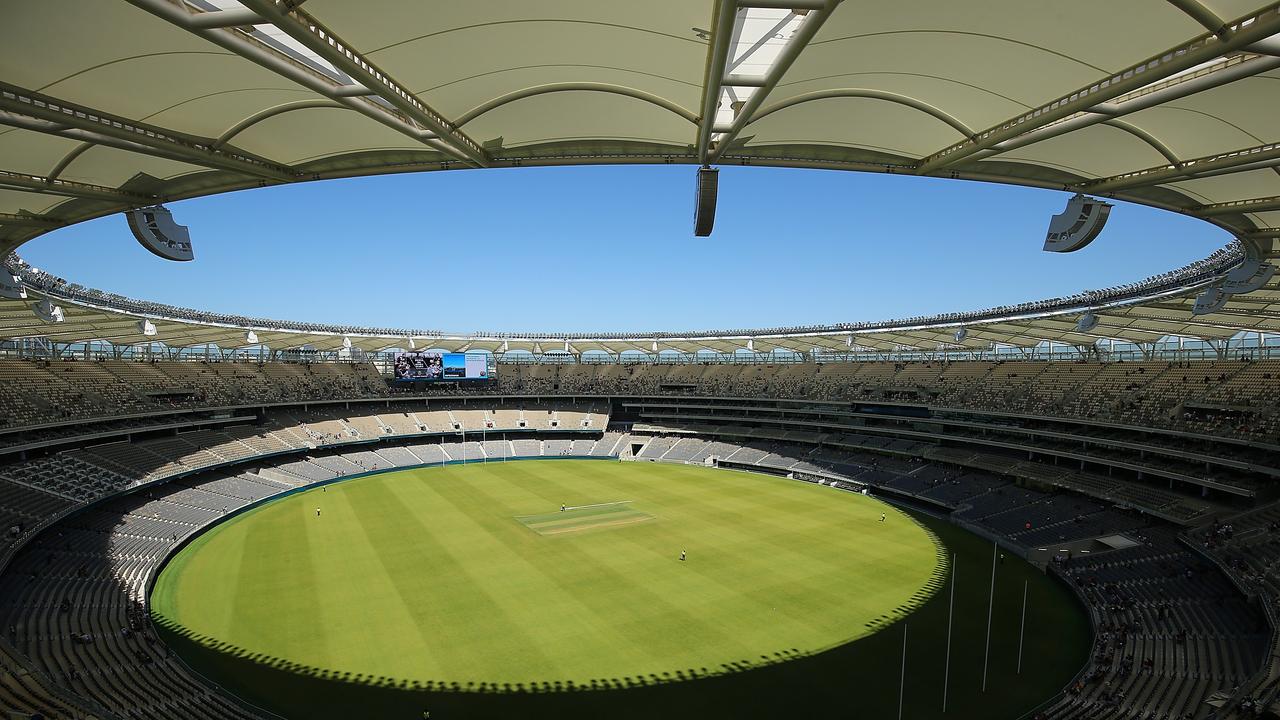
[[48, 312], [11, 287], [1078, 225], [704, 214], [1086, 322], [154, 227]]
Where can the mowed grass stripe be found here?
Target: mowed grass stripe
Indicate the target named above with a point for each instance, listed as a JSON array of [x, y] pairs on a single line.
[[571, 606], [725, 547], [459, 584], [730, 552], [771, 522], [429, 575], [278, 560], [660, 627]]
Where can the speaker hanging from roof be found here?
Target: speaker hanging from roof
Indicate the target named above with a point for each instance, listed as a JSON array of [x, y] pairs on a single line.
[[1078, 225], [1086, 322], [11, 286], [961, 334], [704, 214], [1250, 275], [147, 328], [48, 312], [154, 227], [1211, 300]]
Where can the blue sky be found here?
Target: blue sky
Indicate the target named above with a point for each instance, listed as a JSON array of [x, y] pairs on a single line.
[[612, 249]]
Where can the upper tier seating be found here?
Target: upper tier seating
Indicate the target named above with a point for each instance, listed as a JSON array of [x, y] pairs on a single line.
[[1235, 398]]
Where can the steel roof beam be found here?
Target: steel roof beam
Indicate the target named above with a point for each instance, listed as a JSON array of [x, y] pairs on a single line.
[[35, 221], [1243, 32], [610, 88], [1207, 18], [321, 40], [74, 323], [725, 17], [69, 188], [1251, 205], [1221, 164], [1179, 325], [896, 98], [77, 329], [784, 4], [87, 139], [1228, 71], [290, 68], [808, 29], [156, 139], [231, 17], [201, 337]]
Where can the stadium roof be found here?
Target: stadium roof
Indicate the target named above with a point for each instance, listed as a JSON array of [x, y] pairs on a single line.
[[111, 104]]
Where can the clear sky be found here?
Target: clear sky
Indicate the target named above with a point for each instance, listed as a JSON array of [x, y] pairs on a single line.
[[612, 249]]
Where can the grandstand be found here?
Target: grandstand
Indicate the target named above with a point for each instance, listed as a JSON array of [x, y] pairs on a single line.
[[1120, 446], [1030, 480]]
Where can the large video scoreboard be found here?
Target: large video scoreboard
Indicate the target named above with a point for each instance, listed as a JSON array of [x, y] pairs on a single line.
[[435, 366]]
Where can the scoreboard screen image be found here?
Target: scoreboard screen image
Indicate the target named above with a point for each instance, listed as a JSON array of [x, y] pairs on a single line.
[[432, 366]]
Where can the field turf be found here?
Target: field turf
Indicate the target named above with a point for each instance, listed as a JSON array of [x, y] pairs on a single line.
[[440, 589], [438, 575]]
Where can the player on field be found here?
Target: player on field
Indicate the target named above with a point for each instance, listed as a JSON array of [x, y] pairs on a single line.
[[881, 517], [682, 555], [317, 512]]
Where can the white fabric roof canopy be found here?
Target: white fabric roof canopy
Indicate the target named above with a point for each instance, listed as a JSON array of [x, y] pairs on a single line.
[[112, 104]]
